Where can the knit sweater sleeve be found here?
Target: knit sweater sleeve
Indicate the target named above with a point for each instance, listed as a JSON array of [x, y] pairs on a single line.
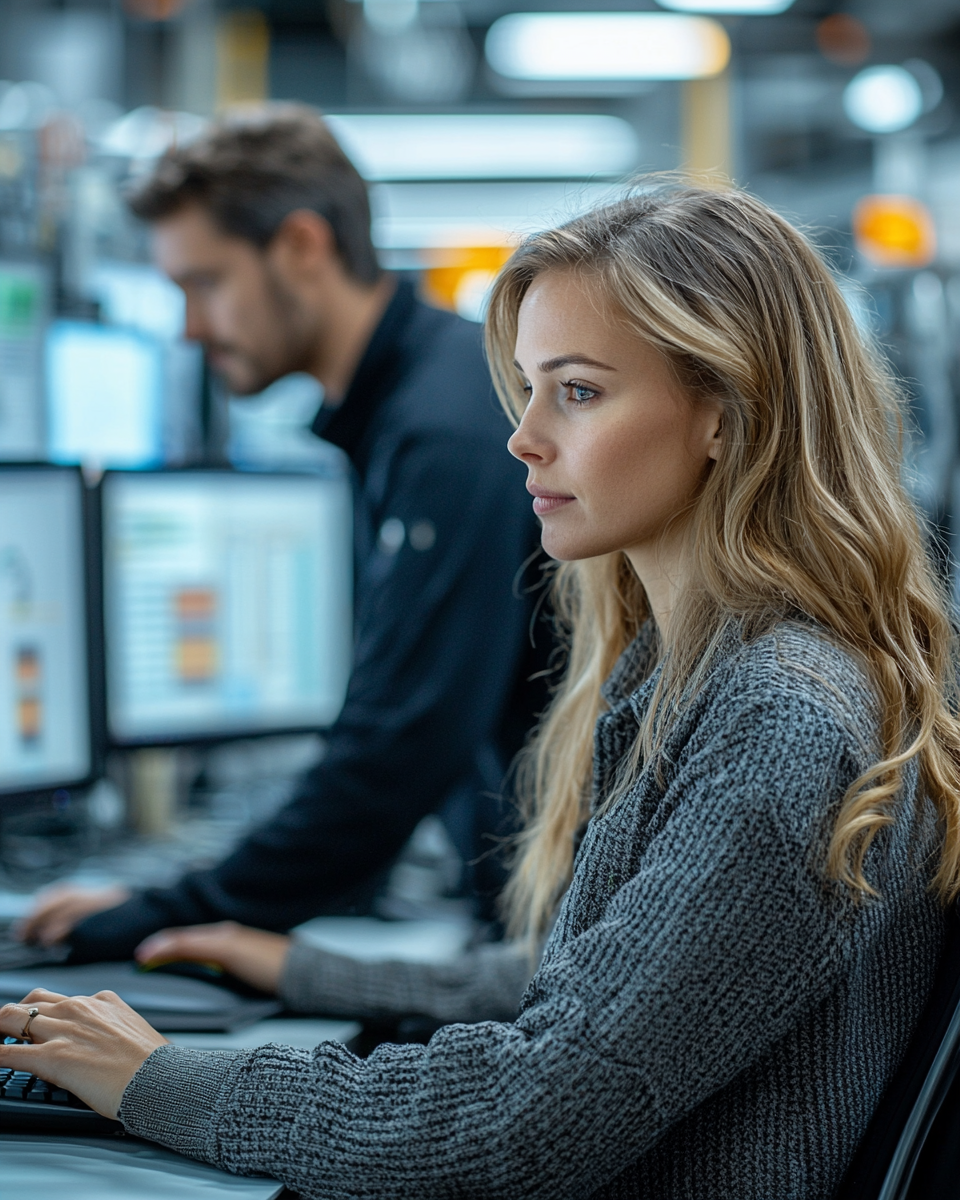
[[483, 984], [679, 958]]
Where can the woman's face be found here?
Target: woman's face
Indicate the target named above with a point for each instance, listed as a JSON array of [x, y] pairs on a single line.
[[614, 446]]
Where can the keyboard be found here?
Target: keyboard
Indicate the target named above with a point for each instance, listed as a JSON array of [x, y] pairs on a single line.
[[29, 1103]]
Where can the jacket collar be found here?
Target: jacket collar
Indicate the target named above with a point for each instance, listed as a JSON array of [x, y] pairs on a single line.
[[375, 378]]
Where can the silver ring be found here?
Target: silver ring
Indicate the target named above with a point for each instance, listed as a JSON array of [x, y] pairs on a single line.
[[25, 1031]]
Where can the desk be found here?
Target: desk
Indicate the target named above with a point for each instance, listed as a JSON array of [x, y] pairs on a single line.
[[39, 1167], [48, 1168]]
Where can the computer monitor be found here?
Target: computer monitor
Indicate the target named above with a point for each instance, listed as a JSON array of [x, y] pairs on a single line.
[[104, 395], [45, 739], [138, 296], [24, 305], [227, 603]]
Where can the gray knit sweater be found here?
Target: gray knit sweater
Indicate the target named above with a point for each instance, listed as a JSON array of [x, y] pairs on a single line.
[[710, 1019], [483, 984]]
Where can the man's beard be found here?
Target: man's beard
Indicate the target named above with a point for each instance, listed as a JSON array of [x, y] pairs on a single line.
[[292, 349]]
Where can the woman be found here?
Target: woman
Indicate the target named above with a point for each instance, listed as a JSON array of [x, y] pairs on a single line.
[[767, 811]]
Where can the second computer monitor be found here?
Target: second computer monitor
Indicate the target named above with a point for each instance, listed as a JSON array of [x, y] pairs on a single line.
[[44, 700], [104, 395], [227, 603]]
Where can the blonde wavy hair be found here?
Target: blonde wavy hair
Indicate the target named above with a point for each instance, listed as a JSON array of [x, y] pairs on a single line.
[[803, 512]]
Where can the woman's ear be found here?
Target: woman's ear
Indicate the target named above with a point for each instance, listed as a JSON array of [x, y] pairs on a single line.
[[716, 438]]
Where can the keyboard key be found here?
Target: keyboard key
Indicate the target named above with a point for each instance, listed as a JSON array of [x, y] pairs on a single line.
[[59, 1096], [40, 1091]]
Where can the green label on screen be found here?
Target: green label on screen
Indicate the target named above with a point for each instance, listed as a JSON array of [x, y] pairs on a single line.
[[19, 305]]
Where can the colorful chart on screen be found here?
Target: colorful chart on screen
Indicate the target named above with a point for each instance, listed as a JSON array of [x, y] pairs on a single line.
[[44, 730], [227, 603]]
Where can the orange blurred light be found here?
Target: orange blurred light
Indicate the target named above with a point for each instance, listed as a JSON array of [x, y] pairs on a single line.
[[894, 231], [452, 271], [843, 40]]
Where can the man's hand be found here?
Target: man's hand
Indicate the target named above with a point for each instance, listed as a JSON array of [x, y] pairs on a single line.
[[251, 954], [59, 909], [90, 1045]]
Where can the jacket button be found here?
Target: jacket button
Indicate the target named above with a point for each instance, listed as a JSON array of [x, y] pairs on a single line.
[[422, 535], [391, 535]]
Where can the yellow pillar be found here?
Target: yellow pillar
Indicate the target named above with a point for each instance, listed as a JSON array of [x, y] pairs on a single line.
[[243, 58], [707, 132], [153, 789]]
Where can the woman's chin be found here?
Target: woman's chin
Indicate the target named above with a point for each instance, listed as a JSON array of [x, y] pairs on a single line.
[[568, 549]]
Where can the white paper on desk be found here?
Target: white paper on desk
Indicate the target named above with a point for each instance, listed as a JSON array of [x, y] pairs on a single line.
[[371, 940], [49, 1168], [16, 905], [302, 1034]]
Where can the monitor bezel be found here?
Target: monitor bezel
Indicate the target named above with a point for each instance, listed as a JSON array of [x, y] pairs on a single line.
[[90, 626], [206, 737]]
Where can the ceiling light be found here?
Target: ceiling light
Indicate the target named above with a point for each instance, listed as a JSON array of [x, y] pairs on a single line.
[[397, 146], [598, 46], [883, 99], [752, 8]]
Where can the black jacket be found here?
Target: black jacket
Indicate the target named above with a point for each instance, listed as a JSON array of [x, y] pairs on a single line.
[[440, 693]]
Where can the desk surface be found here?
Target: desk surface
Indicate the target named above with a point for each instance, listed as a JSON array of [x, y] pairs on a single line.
[[49, 1168]]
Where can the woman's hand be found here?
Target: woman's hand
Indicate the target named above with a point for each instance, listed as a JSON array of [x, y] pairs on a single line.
[[252, 955], [90, 1045]]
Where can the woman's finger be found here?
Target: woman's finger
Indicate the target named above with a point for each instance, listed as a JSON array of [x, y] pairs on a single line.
[[21, 1057], [16, 1021], [205, 942], [43, 995], [162, 945]]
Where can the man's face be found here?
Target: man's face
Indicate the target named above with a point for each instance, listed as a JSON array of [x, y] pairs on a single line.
[[252, 325]]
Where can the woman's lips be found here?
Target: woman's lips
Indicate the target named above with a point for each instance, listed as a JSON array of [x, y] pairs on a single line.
[[547, 502]]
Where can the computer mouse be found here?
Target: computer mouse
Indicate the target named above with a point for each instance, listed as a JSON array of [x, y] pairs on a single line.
[[209, 972], [206, 972]]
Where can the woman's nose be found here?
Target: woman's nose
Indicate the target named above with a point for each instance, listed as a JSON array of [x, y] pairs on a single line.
[[527, 441]]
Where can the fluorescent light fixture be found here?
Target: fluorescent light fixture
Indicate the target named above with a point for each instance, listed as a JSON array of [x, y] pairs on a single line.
[[606, 46], [396, 146], [883, 99], [468, 213], [145, 133], [750, 8]]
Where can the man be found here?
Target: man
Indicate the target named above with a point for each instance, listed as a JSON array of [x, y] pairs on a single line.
[[265, 224]]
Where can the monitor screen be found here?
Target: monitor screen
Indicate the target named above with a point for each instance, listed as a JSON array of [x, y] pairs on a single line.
[[139, 297], [227, 603], [104, 395], [24, 298], [45, 727]]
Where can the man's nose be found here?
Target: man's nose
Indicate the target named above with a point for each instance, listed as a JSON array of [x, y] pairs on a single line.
[[196, 327]]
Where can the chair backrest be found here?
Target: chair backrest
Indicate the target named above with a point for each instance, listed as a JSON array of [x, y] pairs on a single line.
[[886, 1160]]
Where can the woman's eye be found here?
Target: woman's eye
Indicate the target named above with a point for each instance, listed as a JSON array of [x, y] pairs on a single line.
[[580, 393]]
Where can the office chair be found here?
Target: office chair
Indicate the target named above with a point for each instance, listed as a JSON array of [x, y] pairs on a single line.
[[911, 1150]]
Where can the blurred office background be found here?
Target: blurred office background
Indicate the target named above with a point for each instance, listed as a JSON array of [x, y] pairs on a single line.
[[475, 121]]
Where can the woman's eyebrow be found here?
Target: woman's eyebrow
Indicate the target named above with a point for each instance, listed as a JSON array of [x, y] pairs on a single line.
[[567, 360]]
